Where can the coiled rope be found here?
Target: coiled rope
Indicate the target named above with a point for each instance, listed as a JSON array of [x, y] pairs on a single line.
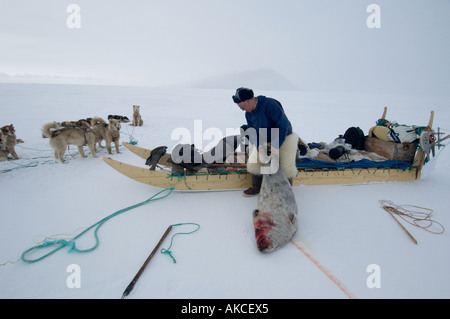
[[71, 243], [414, 215]]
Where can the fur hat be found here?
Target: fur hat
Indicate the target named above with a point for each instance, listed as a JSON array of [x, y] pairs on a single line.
[[242, 95]]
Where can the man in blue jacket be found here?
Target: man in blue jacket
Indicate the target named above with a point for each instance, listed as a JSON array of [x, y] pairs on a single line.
[[270, 131]]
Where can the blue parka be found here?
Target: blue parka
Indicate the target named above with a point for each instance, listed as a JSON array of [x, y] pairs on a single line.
[[269, 114]]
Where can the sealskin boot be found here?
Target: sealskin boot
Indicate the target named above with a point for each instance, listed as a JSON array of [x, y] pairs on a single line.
[[256, 186]]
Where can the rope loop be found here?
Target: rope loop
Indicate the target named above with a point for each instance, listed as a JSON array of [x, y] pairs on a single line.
[[417, 216], [168, 251], [71, 243]]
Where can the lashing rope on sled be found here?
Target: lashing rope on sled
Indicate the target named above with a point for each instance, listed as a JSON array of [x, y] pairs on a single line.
[[181, 176], [71, 243], [206, 174]]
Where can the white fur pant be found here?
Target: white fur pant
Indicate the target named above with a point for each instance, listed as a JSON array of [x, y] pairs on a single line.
[[287, 154]]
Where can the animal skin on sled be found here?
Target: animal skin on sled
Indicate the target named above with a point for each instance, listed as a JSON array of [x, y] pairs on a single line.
[[276, 219]]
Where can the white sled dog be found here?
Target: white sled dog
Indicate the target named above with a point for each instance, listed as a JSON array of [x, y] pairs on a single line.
[[108, 132], [60, 138], [137, 119]]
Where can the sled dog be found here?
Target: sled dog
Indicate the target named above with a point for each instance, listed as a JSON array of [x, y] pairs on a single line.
[[108, 132], [137, 119], [63, 137], [122, 118], [49, 127], [81, 123], [8, 142]]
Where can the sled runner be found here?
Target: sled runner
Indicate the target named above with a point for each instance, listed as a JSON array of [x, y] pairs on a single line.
[[310, 172]]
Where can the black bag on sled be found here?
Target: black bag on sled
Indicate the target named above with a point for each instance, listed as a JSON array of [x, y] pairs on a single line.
[[355, 137]]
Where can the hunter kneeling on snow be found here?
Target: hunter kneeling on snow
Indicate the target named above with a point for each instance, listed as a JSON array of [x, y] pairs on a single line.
[[270, 131]]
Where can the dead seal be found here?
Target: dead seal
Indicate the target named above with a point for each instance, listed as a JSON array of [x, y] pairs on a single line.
[[275, 220]]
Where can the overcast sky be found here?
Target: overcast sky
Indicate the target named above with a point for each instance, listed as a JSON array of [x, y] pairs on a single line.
[[323, 45]]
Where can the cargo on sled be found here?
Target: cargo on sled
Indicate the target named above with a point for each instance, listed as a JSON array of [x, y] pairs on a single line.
[[401, 161]]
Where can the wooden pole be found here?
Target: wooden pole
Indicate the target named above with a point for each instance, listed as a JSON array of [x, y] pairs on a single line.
[[384, 113], [419, 159], [135, 279], [409, 234]]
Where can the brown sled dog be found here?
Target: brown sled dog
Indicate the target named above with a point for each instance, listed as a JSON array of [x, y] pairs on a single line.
[[137, 119], [108, 132], [8, 142], [61, 138]]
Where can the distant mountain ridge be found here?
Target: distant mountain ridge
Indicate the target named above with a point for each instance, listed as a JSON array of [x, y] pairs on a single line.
[[263, 79]]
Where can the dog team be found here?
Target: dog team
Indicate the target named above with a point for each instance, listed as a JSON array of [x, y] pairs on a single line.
[[89, 131]]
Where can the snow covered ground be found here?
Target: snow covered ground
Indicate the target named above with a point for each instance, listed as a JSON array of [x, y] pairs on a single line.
[[342, 228]]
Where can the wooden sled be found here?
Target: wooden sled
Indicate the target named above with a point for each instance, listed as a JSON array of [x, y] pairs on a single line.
[[240, 179]]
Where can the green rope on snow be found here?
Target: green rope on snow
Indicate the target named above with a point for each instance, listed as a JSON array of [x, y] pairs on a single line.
[[30, 164], [168, 251], [61, 243], [132, 141]]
